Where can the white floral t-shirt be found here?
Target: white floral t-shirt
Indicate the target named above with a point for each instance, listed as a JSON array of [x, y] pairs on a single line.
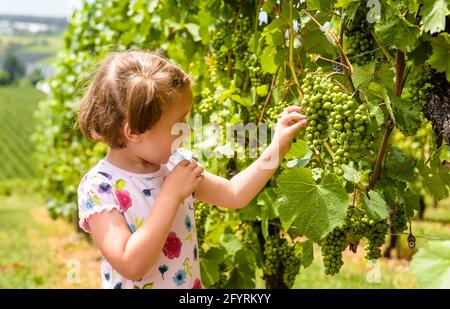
[[106, 187]]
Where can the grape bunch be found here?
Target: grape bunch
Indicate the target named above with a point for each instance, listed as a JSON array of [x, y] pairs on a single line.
[[356, 227], [206, 105], [416, 90], [239, 38], [335, 117], [254, 69], [220, 50], [375, 236], [280, 258], [360, 43], [398, 220], [332, 246], [202, 212], [256, 74], [274, 111]]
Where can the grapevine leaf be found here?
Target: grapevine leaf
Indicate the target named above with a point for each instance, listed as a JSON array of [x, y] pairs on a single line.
[[440, 59], [231, 243], [431, 265], [298, 150], [253, 43], [398, 166], [421, 53], [407, 114], [209, 270], [241, 275], [375, 206], [269, 59], [262, 90], [433, 15], [433, 183], [380, 92], [399, 32], [307, 254], [351, 174], [321, 5], [364, 75], [311, 209], [193, 29], [411, 202]]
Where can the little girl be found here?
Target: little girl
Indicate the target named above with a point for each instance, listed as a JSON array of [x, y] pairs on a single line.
[[137, 202]]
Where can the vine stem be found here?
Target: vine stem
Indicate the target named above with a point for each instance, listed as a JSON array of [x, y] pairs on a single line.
[[398, 87], [272, 85], [291, 50], [434, 153]]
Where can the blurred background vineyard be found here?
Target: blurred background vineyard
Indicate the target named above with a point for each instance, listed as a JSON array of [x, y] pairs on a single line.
[[38, 237]]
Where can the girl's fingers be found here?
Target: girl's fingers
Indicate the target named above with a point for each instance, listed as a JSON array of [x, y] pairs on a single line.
[[296, 126], [290, 109], [193, 165], [198, 171], [287, 119]]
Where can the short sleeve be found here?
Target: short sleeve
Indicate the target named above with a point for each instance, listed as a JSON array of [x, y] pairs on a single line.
[[95, 194]]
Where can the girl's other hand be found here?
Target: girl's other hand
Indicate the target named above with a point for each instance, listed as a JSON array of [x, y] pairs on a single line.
[[183, 180], [288, 124]]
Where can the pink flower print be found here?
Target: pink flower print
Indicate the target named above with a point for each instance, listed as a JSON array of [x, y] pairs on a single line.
[[172, 246], [197, 284], [124, 199]]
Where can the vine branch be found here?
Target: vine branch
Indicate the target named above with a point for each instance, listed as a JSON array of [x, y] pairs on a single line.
[[398, 87]]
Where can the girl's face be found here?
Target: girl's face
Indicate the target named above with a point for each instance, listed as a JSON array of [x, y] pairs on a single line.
[[156, 144]]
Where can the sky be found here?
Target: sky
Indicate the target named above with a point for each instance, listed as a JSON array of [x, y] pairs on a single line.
[[43, 8]]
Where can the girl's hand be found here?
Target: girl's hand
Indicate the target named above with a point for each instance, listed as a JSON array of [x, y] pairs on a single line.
[[287, 126], [183, 180]]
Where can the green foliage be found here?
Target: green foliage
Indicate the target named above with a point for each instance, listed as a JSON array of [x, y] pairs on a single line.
[[13, 66], [234, 56], [431, 265]]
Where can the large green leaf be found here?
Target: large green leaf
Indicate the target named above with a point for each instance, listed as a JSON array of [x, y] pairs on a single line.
[[309, 208], [440, 59], [379, 91], [375, 206], [399, 32], [407, 114], [431, 265], [433, 15]]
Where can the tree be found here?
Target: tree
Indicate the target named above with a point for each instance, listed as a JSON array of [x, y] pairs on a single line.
[[13, 66]]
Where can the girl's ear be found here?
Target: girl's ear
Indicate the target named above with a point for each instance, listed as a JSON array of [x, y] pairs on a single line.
[[132, 137]]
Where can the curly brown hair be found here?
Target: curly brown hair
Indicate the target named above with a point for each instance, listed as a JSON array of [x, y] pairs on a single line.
[[131, 86]]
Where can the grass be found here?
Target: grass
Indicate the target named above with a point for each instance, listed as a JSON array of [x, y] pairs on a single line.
[[17, 104], [37, 252]]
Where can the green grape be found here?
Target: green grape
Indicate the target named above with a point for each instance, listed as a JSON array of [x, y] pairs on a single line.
[[336, 118], [375, 235], [398, 219], [280, 258], [206, 105], [417, 87], [332, 246], [220, 52], [239, 38], [360, 43], [275, 110]]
